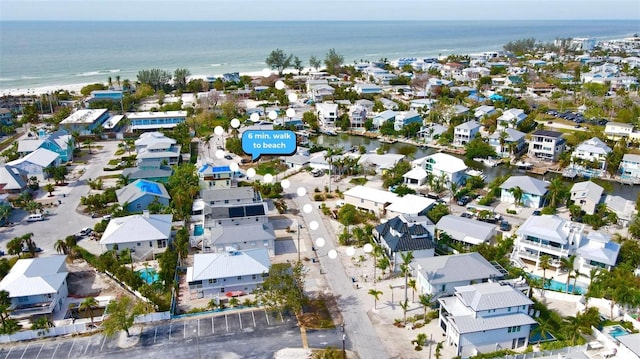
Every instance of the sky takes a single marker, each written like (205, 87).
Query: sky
(281, 10)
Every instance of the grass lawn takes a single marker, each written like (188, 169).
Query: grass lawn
(316, 314)
(273, 167)
(359, 181)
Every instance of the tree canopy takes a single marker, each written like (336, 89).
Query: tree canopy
(278, 60)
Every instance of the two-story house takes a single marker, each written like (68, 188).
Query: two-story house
(630, 167)
(533, 191)
(327, 113)
(357, 115)
(146, 235)
(60, 142)
(384, 116)
(36, 163)
(511, 118)
(234, 272)
(85, 121)
(597, 250)
(482, 317)
(587, 195)
(154, 147)
(484, 110)
(404, 118)
(591, 153)
(12, 180)
(507, 142)
(403, 234)
(443, 166)
(465, 132)
(138, 195)
(546, 145)
(216, 177)
(153, 121)
(616, 130)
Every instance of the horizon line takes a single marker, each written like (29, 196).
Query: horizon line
(307, 20)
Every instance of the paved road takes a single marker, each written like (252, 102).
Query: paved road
(63, 220)
(253, 334)
(358, 328)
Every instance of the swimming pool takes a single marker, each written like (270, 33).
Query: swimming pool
(615, 331)
(198, 230)
(559, 286)
(149, 275)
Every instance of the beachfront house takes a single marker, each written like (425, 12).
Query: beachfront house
(465, 132)
(369, 199)
(442, 166)
(138, 195)
(533, 191)
(597, 251)
(511, 118)
(145, 235)
(402, 234)
(591, 153)
(36, 286)
(153, 121)
(85, 121)
(616, 130)
(327, 113)
(466, 231)
(507, 142)
(60, 142)
(546, 145)
(404, 118)
(12, 181)
(439, 275)
(37, 163)
(586, 195)
(483, 317)
(630, 167)
(227, 273)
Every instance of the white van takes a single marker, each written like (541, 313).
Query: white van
(35, 218)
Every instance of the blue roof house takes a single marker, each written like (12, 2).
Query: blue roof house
(404, 118)
(384, 116)
(137, 195)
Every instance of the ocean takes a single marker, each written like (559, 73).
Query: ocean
(43, 54)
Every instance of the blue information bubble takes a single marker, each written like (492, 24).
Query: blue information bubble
(269, 142)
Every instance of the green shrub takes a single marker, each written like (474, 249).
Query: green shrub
(318, 197)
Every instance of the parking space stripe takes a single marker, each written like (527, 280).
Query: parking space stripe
(103, 341)
(71, 349)
(39, 351)
(184, 330)
(85, 348)
(266, 315)
(155, 334)
(226, 320)
(9, 352)
(213, 327)
(254, 318)
(240, 320)
(54, 352)
(169, 331)
(25, 350)
(198, 327)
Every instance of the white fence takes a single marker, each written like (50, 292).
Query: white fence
(51, 332)
(152, 317)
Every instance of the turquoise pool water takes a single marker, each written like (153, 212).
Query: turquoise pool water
(560, 287)
(616, 331)
(149, 275)
(198, 230)
(537, 337)
(148, 187)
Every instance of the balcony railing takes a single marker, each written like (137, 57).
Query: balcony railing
(33, 309)
(538, 245)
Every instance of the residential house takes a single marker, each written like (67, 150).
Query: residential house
(367, 104)
(215, 274)
(216, 177)
(507, 142)
(630, 167)
(624, 208)
(465, 132)
(403, 234)
(155, 146)
(36, 286)
(546, 145)
(533, 191)
(404, 118)
(357, 115)
(439, 275)
(452, 70)
(482, 317)
(297, 161)
(587, 195)
(233, 206)
(591, 154)
(540, 89)
(484, 110)
(416, 177)
(431, 131)
(85, 121)
(319, 161)
(153, 121)
(466, 231)
(379, 163)
(6, 116)
(319, 90)
(474, 74)
(12, 181)
(327, 113)
(313, 82)
(546, 235)
(388, 104)
(369, 199)
(444, 167)
(138, 195)
(60, 142)
(382, 117)
(410, 205)
(597, 250)
(616, 130)
(367, 89)
(113, 124)
(422, 104)
(241, 237)
(146, 235)
(36, 163)
(511, 118)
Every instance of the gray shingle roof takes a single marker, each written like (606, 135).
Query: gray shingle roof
(408, 237)
(465, 229)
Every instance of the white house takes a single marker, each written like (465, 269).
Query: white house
(241, 237)
(227, 272)
(465, 132)
(533, 191)
(36, 286)
(511, 118)
(327, 113)
(484, 110)
(382, 117)
(404, 118)
(592, 150)
(379, 163)
(366, 89)
(439, 275)
(147, 121)
(370, 199)
(155, 146)
(35, 164)
(482, 317)
(404, 234)
(443, 166)
(546, 145)
(597, 251)
(416, 177)
(410, 204)
(467, 231)
(144, 234)
(587, 195)
(616, 130)
(11, 180)
(357, 115)
(507, 141)
(630, 167)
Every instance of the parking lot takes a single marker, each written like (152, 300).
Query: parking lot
(173, 333)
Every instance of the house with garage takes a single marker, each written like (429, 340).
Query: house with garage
(145, 235)
(369, 199)
(60, 142)
(403, 234)
(445, 167)
(439, 275)
(482, 317)
(466, 231)
(507, 141)
(36, 286)
(37, 163)
(138, 195)
(533, 191)
(586, 195)
(465, 132)
(227, 273)
(511, 118)
(546, 145)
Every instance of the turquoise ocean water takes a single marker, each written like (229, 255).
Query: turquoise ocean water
(36, 54)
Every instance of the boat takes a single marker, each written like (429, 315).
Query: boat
(476, 173)
(329, 133)
(523, 165)
(387, 140)
(490, 162)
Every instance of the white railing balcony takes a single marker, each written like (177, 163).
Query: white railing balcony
(559, 251)
(33, 309)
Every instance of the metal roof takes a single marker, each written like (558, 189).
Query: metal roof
(229, 264)
(455, 268)
(137, 228)
(36, 276)
(491, 295)
(468, 324)
(466, 229)
(527, 184)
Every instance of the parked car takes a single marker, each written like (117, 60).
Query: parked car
(505, 226)
(228, 157)
(35, 218)
(106, 217)
(463, 200)
(26, 250)
(466, 215)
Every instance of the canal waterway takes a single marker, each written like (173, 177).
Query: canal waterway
(371, 144)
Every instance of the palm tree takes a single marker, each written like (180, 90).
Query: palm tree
(567, 264)
(61, 247)
(376, 296)
(405, 306)
(453, 188)
(407, 257)
(5, 211)
(14, 246)
(413, 286)
(543, 328)
(88, 305)
(576, 274)
(544, 264)
(517, 194)
(556, 191)
(123, 180)
(425, 301)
